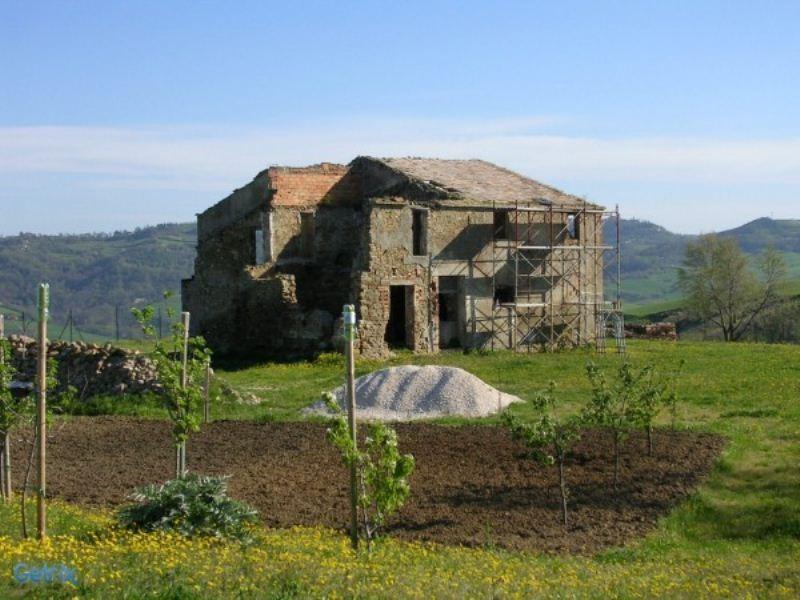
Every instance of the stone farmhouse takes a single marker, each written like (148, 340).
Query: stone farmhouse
(433, 253)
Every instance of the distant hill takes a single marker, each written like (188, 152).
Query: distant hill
(651, 254)
(92, 274)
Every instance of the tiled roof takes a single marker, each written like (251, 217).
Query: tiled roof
(476, 180)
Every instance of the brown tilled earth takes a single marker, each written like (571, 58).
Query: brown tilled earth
(472, 485)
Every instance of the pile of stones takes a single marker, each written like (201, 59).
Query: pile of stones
(652, 331)
(92, 369)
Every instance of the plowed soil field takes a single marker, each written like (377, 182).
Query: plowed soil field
(473, 485)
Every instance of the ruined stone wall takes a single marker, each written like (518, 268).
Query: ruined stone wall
(287, 305)
(389, 261)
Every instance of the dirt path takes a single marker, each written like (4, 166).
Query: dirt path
(473, 485)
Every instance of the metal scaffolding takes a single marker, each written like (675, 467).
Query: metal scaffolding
(562, 269)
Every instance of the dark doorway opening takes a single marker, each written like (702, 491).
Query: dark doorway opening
(396, 334)
(449, 302)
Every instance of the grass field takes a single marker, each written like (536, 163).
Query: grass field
(738, 536)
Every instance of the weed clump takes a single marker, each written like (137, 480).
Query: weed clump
(195, 505)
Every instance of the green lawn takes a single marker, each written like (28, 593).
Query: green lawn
(738, 536)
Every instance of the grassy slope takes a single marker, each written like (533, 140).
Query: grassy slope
(739, 534)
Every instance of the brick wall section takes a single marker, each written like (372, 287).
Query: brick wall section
(309, 186)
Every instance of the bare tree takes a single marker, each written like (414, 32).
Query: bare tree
(721, 288)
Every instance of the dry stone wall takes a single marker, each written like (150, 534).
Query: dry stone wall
(92, 369)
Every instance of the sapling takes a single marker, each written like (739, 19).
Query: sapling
(671, 397)
(647, 402)
(180, 363)
(548, 437)
(613, 406)
(12, 411)
(381, 470)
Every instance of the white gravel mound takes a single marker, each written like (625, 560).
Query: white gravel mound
(408, 392)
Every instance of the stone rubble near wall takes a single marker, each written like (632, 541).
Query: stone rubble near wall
(652, 331)
(91, 368)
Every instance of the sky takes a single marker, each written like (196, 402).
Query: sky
(115, 115)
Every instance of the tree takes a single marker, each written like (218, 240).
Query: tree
(548, 437)
(722, 289)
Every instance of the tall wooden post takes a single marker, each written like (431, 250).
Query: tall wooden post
(41, 509)
(207, 394)
(349, 323)
(5, 468)
(181, 453)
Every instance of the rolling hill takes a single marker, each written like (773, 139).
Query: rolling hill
(96, 276)
(651, 256)
(92, 275)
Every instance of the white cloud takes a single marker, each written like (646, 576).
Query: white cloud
(55, 176)
(202, 158)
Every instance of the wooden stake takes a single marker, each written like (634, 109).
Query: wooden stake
(5, 467)
(207, 393)
(349, 322)
(41, 508)
(181, 453)
(6, 481)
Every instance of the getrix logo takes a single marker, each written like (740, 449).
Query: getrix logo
(25, 573)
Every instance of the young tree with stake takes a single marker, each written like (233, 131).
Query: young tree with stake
(13, 410)
(548, 437)
(382, 473)
(181, 365)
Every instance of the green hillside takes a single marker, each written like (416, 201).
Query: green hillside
(93, 274)
(651, 256)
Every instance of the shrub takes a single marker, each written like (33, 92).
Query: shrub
(195, 505)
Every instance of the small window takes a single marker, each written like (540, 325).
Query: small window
(307, 230)
(504, 294)
(573, 227)
(259, 254)
(419, 230)
(501, 225)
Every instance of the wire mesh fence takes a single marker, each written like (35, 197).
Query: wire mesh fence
(105, 323)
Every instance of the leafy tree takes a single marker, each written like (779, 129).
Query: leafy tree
(182, 398)
(722, 289)
(381, 470)
(548, 437)
(778, 324)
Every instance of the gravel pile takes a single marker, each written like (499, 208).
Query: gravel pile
(408, 392)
